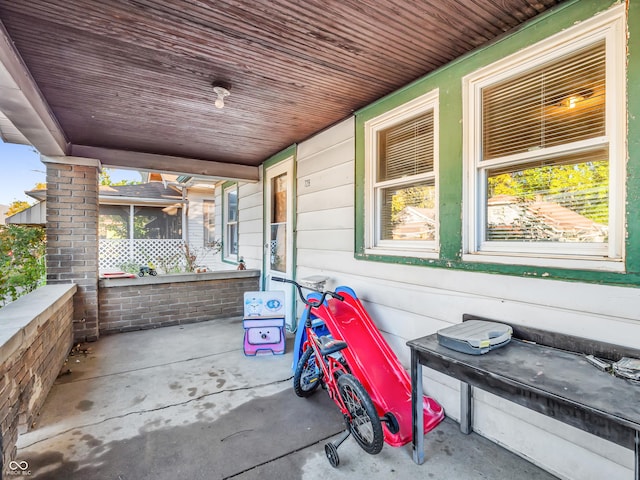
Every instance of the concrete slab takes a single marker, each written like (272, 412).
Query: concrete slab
(184, 402)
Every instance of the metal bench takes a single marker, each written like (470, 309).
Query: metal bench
(544, 371)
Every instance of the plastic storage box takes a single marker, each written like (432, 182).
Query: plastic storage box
(475, 336)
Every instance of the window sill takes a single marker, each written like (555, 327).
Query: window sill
(403, 252)
(569, 263)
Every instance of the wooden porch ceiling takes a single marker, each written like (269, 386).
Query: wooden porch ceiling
(130, 81)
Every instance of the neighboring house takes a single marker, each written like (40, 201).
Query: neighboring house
(511, 220)
(34, 215)
(3, 213)
(532, 103)
(147, 222)
(414, 223)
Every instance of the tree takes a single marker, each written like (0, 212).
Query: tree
(22, 265)
(105, 179)
(17, 206)
(581, 187)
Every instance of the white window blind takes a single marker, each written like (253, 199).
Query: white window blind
(406, 149)
(555, 104)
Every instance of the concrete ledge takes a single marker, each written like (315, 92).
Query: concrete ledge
(177, 278)
(36, 335)
(20, 320)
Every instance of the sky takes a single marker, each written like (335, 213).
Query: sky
(21, 169)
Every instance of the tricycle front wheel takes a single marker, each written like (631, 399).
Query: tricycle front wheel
(308, 376)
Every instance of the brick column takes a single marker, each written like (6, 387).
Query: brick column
(72, 236)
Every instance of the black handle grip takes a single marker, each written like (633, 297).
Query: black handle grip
(278, 279)
(338, 296)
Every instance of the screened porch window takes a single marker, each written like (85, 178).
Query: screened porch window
(545, 154)
(157, 223)
(118, 222)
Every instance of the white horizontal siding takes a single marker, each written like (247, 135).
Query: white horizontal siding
(250, 228)
(321, 144)
(340, 196)
(336, 219)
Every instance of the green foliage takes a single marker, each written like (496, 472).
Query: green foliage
(105, 179)
(129, 267)
(22, 261)
(581, 187)
(187, 259)
(17, 206)
(419, 196)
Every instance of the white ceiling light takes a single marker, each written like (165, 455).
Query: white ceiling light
(222, 94)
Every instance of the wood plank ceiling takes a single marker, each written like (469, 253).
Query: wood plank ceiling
(137, 75)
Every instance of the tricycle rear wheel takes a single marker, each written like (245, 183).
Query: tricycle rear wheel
(364, 422)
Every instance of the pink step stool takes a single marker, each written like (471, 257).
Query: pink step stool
(264, 323)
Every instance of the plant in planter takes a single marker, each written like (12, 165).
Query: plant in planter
(192, 255)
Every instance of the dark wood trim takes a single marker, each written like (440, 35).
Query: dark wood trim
(165, 163)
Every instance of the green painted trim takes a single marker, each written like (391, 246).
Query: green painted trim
(585, 276)
(448, 80)
(632, 253)
(280, 156)
(226, 186)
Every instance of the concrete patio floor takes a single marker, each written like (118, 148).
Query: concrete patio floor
(185, 403)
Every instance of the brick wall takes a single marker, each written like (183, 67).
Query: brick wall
(72, 239)
(35, 340)
(150, 302)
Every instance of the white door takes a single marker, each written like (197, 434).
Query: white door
(279, 232)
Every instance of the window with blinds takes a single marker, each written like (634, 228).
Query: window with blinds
(406, 149)
(405, 181)
(544, 155)
(555, 104)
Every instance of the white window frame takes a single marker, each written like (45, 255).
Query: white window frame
(233, 257)
(610, 27)
(373, 243)
(209, 220)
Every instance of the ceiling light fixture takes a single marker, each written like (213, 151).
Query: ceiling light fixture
(222, 94)
(572, 99)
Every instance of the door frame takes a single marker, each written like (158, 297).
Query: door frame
(282, 162)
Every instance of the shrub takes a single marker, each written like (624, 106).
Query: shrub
(22, 261)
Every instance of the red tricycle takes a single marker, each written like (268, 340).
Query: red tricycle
(359, 370)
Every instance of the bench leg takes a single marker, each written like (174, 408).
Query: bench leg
(417, 413)
(637, 458)
(466, 419)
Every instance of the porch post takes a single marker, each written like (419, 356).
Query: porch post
(72, 236)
